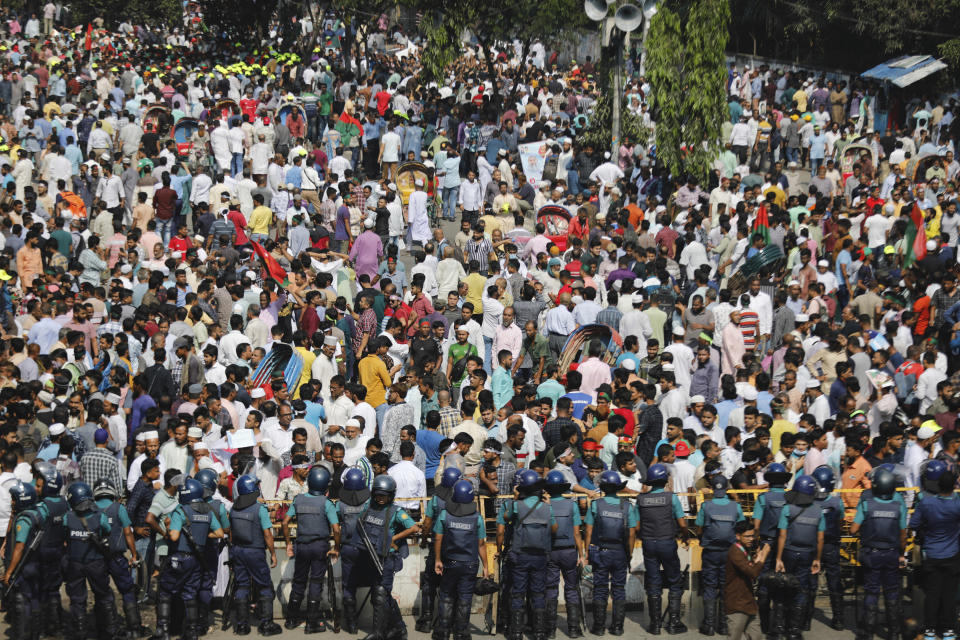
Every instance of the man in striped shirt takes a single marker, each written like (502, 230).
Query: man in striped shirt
(749, 323)
(479, 248)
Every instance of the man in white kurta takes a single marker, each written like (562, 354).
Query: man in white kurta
(417, 214)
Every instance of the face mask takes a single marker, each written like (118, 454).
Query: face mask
(799, 454)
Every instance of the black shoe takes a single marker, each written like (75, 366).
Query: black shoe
(550, 619)
(378, 600)
(349, 617)
(656, 613)
(618, 616)
(836, 611)
(461, 621)
(314, 621)
(599, 617)
(242, 626)
(516, 625)
(267, 626)
(707, 628)
(163, 621)
(539, 624)
(294, 618)
(189, 621)
(675, 624)
(573, 620)
(444, 623)
(427, 603)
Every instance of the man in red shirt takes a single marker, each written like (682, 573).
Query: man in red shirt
(165, 204)
(181, 242)
(579, 227)
(248, 106)
(239, 223)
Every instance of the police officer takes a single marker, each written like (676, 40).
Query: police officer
(354, 496)
(28, 523)
(460, 538)
(533, 524)
(717, 519)
(833, 515)
(936, 521)
(251, 532)
(610, 537)
(87, 530)
(121, 540)
(212, 550)
(660, 514)
(429, 579)
(317, 521)
(766, 519)
(799, 547)
(52, 560)
(386, 527)
(930, 472)
(566, 555)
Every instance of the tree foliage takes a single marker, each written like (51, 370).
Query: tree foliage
(599, 132)
(113, 12)
(665, 68)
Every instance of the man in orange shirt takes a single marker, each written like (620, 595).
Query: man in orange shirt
(854, 474)
(29, 263)
(636, 213)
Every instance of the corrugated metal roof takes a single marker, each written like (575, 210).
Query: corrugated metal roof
(905, 70)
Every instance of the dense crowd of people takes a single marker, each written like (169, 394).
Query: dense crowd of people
(234, 296)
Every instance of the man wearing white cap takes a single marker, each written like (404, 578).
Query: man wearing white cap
(151, 441)
(818, 405)
(202, 458)
(116, 421)
(417, 215)
(324, 367)
(683, 358)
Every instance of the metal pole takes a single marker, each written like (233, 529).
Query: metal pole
(617, 91)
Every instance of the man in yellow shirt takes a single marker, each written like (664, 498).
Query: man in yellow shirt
(475, 284)
(375, 377)
(303, 342)
(260, 219)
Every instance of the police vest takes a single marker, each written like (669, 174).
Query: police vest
(719, 524)
(610, 523)
(460, 538)
(35, 520)
(245, 526)
(199, 523)
(439, 504)
(656, 516)
(349, 515)
(82, 537)
(311, 515)
(802, 526)
(881, 524)
(563, 514)
(55, 535)
(531, 532)
(377, 523)
(833, 512)
(773, 502)
(116, 541)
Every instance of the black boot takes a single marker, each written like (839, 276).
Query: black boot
(163, 620)
(242, 626)
(52, 615)
(894, 620)
(777, 621)
(444, 623)
(131, 615)
(461, 621)
(81, 628)
(836, 611)
(349, 616)
(617, 617)
(573, 620)
(189, 620)
(314, 622)
(721, 619)
(294, 618)
(655, 602)
(707, 628)
(105, 615)
(795, 622)
(763, 608)
(396, 628)
(675, 624)
(867, 622)
(516, 624)
(378, 600)
(807, 619)
(20, 622)
(267, 626)
(427, 603)
(539, 624)
(599, 617)
(550, 619)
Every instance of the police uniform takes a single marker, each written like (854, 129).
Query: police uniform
(803, 526)
(610, 520)
(315, 516)
(27, 524)
(659, 511)
(717, 520)
(563, 560)
(212, 549)
(833, 515)
(380, 525)
(250, 568)
(766, 518)
(505, 569)
(532, 519)
(181, 575)
(350, 507)
(462, 529)
(117, 564)
(936, 521)
(52, 561)
(429, 580)
(86, 562)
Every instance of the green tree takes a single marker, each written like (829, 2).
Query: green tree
(113, 12)
(688, 74)
(599, 132)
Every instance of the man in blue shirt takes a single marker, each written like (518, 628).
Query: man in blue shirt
(579, 399)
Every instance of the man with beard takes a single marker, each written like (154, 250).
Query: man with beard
(151, 451)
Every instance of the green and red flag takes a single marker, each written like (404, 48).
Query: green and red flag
(761, 225)
(270, 265)
(915, 239)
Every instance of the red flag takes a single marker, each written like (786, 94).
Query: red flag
(270, 264)
(915, 239)
(88, 42)
(346, 117)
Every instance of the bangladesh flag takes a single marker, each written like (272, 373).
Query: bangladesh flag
(761, 225)
(915, 240)
(270, 265)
